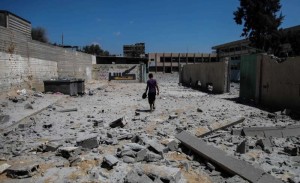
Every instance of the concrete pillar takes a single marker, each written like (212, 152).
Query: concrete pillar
(178, 61)
(171, 63)
(202, 57)
(164, 59)
(155, 62)
(186, 58)
(194, 58)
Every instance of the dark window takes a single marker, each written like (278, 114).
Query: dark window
(2, 20)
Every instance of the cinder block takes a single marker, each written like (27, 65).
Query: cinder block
(88, 142)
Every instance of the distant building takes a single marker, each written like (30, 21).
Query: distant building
(15, 23)
(135, 50)
(170, 62)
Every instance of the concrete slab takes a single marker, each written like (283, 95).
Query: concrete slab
(218, 157)
(277, 131)
(4, 119)
(202, 131)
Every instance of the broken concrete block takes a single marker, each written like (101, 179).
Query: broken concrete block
(140, 156)
(28, 106)
(68, 110)
(89, 141)
(52, 146)
(172, 145)
(236, 179)
(166, 174)
(173, 116)
(134, 146)
(134, 177)
(121, 122)
(4, 167)
(4, 119)
(110, 160)
(75, 160)
(68, 152)
(125, 136)
(24, 170)
(265, 144)
(128, 159)
(243, 147)
(152, 157)
(139, 139)
(293, 151)
(128, 153)
(155, 147)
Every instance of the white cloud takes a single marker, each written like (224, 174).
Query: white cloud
(117, 33)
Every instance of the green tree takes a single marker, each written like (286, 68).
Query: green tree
(261, 19)
(39, 34)
(294, 40)
(95, 49)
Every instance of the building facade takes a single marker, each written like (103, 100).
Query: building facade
(170, 62)
(135, 50)
(15, 23)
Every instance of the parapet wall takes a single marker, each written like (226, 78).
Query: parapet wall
(25, 62)
(212, 73)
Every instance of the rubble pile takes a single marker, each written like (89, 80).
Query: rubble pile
(109, 135)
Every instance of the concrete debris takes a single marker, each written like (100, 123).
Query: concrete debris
(68, 152)
(134, 177)
(218, 157)
(4, 119)
(134, 146)
(199, 110)
(293, 151)
(155, 147)
(22, 170)
(278, 131)
(4, 167)
(165, 174)
(121, 122)
(243, 147)
(141, 155)
(75, 160)
(28, 106)
(110, 160)
(173, 116)
(68, 110)
(172, 145)
(88, 141)
(152, 157)
(236, 179)
(51, 147)
(202, 131)
(128, 159)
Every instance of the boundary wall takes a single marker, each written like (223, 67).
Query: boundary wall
(26, 63)
(208, 73)
(275, 84)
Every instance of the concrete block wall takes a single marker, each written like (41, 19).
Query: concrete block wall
(210, 72)
(26, 63)
(280, 82)
(101, 71)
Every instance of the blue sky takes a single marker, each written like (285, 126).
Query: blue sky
(164, 25)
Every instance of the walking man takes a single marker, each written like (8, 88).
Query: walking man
(151, 88)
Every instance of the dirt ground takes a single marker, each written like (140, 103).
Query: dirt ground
(178, 108)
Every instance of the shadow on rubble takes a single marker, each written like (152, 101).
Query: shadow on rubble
(295, 115)
(143, 110)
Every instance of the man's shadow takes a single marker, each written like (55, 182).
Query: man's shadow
(143, 110)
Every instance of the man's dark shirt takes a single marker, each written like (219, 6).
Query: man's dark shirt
(151, 83)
